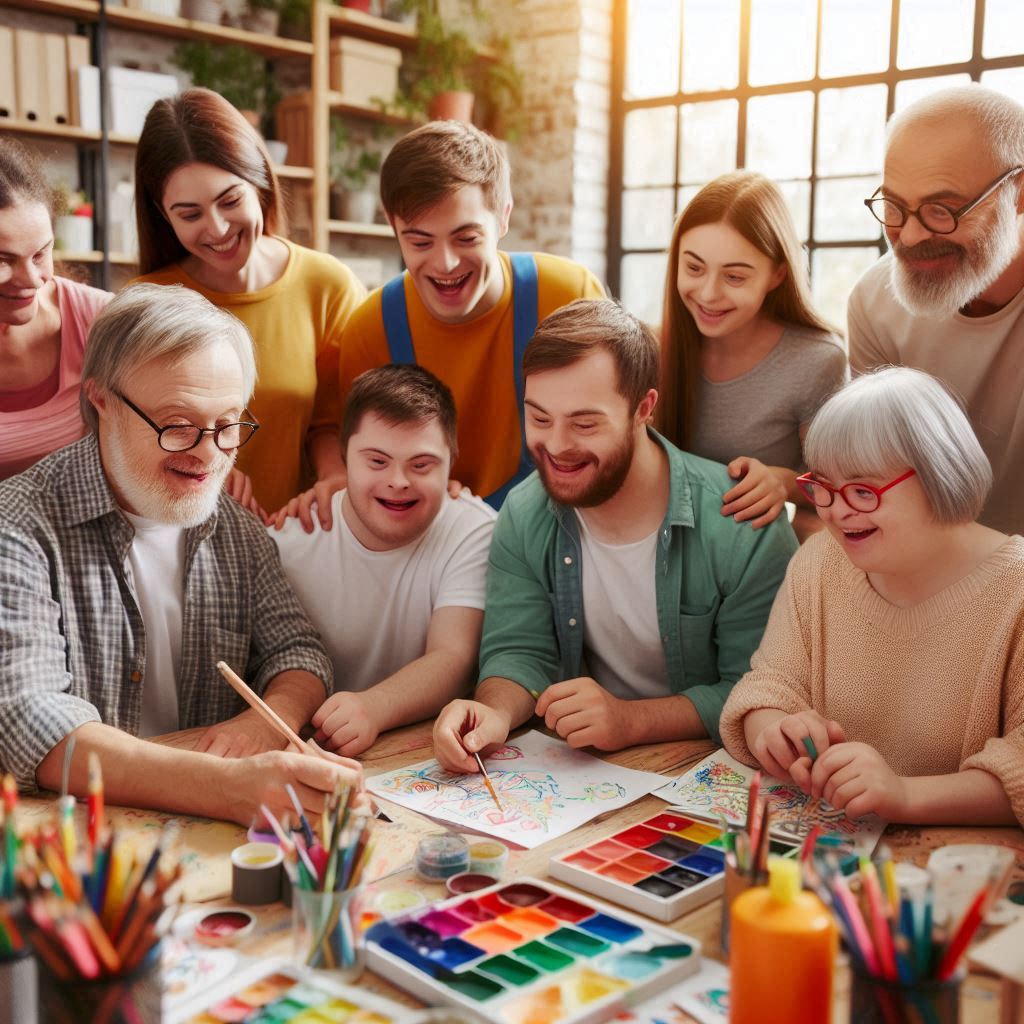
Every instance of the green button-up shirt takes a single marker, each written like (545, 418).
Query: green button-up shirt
(715, 581)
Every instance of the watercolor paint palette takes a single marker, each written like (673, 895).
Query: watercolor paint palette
(528, 952)
(663, 867)
(275, 992)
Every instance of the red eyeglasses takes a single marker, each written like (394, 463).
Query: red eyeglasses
(860, 497)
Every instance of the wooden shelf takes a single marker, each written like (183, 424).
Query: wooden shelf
(295, 173)
(344, 21)
(340, 104)
(93, 256)
(184, 28)
(351, 227)
(87, 10)
(44, 130)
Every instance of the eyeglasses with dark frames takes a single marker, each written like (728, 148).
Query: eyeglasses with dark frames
(935, 217)
(182, 437)
(860, 497)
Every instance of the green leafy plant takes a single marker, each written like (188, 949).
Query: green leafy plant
(237, 73)
(501, 93)
(351, 162)
(296, 18)
(266, 5)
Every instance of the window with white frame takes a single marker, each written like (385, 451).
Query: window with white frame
(797, 89)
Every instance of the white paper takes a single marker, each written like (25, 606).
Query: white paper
(718, 786)
(546, 789)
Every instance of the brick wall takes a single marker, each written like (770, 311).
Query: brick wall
(560, 164)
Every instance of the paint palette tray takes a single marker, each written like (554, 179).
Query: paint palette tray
(528, 952)
(663, 867)
(276, 992)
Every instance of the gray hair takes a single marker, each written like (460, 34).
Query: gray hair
(149, 321)
(1000, 118)
(896, 417)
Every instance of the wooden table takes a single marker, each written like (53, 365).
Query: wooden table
(413, 743)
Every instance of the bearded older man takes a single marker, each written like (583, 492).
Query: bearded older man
(126, 574)
(949, 297)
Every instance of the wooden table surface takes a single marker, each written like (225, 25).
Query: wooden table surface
(413, 743)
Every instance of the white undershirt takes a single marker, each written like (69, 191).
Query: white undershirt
(621, 638)
(156, 568)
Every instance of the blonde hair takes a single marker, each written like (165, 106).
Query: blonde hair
(754, 206)
(435, 160)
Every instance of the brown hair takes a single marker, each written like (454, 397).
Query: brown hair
(399, 395)
(754, 206)
(588, 325)
(437, 159)
(196, 126)
(22, 178)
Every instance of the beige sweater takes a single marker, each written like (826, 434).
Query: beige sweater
(934, 688)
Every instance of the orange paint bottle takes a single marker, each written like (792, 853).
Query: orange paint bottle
(783, 945)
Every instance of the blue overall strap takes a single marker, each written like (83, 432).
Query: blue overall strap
(396, 321)
(524, 324)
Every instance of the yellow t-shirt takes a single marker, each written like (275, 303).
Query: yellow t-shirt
(296, 325)
(474, 359)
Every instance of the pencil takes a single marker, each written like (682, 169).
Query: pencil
(95, 801)
(812, 751)
(264, 710)
(488, 783)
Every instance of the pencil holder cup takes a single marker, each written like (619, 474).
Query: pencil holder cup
(326, 931)
(132, 998)
(735, 883)
(876, 1001)
(18, 988)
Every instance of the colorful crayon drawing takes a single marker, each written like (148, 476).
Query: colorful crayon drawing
(717, 788)
(701, 999)
(545, 788)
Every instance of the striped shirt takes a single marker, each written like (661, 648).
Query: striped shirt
(72, 640)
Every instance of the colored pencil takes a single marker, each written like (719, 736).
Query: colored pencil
(487, 783)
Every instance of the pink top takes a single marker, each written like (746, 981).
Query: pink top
(26, 435)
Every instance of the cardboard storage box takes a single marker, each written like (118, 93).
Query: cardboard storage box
(363, 71)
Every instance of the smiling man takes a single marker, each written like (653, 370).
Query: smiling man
(396, 585)
(616, 590)
(949, 296)
(126, 574)
(462, 309)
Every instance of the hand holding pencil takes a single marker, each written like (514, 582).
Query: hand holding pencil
(463, 729)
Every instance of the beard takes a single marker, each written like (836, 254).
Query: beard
(611, 475)
(979, 263)
(150, 497)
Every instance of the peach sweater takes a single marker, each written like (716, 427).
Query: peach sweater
(935, 688)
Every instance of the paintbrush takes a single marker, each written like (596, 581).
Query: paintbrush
(488, 783)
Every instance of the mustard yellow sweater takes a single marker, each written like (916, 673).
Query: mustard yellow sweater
(935, 688)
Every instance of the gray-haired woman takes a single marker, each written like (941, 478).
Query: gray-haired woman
(896, 643)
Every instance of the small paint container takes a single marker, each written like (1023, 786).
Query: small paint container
(224, 927)
(391, 902)
(468, 881)
(256, 873)
(440, 855)
(488, 858)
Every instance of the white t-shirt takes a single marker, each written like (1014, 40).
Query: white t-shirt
(621, 638)
(156, 569)
(373, 608)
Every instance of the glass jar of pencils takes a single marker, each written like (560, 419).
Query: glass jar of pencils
(875, 1000)
(327, 931)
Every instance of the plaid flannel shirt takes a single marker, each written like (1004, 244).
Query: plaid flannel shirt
(72, 640)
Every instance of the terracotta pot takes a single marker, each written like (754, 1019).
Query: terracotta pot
(451, 106)
(357, 5)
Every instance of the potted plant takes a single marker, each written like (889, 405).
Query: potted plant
(500, 93)
(444, 65)
(203, 10)
(353, 169)
(357, 5)
(262, 16)
(72, 228)
(295, 18)
(236, 72)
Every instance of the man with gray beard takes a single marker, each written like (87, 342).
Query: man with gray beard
(949, 296)
(126, 574)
